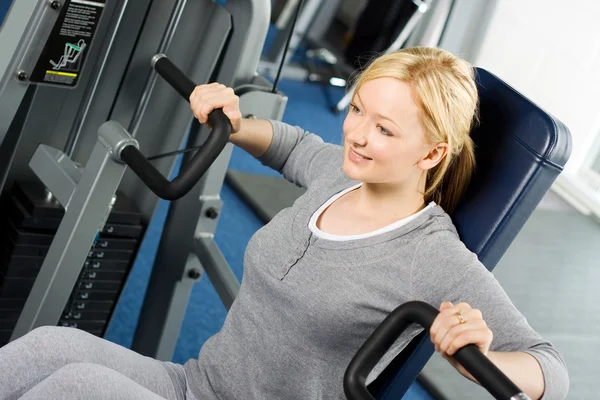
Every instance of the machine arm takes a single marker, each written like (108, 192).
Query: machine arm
(193, 170)
(477, 364)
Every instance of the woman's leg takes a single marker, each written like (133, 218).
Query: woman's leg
(30, 359)
(90, 382)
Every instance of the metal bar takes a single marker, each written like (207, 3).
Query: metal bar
(286, 14)
(217, 269)
(251, 19)
(90, 91)
(87, 209)
(182, 290)
(151, 79)
(167, 290)
(56, 171)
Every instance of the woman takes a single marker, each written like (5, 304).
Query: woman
(371, 232)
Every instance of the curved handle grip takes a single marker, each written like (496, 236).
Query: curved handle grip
(194, 169)
(478, 365)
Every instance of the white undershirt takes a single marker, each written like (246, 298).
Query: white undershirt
(312, 225)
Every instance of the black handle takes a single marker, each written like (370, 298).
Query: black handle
(194, 169)
(478, 365)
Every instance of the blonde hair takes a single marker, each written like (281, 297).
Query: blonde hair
(445, 91)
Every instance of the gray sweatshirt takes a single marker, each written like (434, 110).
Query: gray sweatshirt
(307, 304)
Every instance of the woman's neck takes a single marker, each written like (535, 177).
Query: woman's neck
(387, 202)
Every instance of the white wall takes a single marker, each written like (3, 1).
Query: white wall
(550, 51)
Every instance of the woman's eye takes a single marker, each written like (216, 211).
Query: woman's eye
(384, 131)
(354, 109)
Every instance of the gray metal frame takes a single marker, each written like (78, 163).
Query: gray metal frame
(161, 121)
(88, 199)
(87, 195)
(27, 22)
(53, 112)
(168, 288)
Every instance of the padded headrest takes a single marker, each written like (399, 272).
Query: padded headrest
(520, 150)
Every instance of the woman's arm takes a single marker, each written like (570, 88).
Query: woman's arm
(521, 368)
(254, 136)
(446, 272)
(300, 156)
(460, 325)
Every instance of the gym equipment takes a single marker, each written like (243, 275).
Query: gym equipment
(322, 65)
(478, 365)
(87, 194)
(117, 83)
(422, 6)
(520, 151)
(311, 14)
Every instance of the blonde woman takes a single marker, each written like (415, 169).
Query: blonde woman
(371, 232)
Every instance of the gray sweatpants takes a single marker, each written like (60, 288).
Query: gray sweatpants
(67, 363)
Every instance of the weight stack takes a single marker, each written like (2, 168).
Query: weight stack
(28, 222)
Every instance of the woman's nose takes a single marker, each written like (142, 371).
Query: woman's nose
(358, 136)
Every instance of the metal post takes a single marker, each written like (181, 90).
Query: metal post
(151, 79)
(217, 269)
(87, 208)
(169, 288)
(307, 14)
(91, 88)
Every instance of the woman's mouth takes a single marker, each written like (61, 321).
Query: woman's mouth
(356, 157)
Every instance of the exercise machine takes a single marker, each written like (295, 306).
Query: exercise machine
(479, 366)
(321, 64)
(72, 241)
(89, 194)
(297, 23)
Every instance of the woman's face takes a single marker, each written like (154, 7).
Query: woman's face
(384, 141)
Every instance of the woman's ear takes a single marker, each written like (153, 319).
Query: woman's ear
(435, 155)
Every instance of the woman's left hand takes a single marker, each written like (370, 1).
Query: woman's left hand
(456, 327)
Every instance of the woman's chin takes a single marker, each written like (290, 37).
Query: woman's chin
(352, 172)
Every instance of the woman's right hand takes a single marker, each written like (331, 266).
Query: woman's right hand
(206, 98)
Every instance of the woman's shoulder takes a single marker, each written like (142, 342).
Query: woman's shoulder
(440, 239)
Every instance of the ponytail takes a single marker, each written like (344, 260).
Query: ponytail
(447, 182)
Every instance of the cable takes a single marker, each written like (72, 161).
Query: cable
(239, 90)
(287, 45)
(173, 153)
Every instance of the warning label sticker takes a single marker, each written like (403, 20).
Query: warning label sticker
(64, 54)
